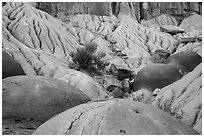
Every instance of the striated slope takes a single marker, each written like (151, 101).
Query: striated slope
(42, 43)
(35, 39)
(184, 98)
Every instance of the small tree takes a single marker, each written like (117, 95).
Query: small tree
(86, 59)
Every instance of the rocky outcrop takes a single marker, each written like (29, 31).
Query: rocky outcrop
(138, 10)
(38, 98)
(193, 22)
(184, 98)
(42, 44)
(36, 40)
(113, 117)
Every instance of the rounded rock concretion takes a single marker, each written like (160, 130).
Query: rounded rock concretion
(155, 76)
(38, 97)
(114, 117)
(10, 67)
(185, 61)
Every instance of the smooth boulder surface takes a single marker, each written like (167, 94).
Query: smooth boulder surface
(114, 117)
(155, 76)
(185, 61)
(38, 97)
(10, 67)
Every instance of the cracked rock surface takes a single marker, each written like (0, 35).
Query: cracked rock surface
(118, 117)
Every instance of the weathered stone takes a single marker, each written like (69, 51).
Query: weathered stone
(117, 93)
(109, 80)
(38, 97)
(126, 85)
(186, 39)
(196, 47)
(114, 117)
(120, 73)
(155, 76)
(171, 29)
(184, 61)
(159, 56)
(111, 88)
(85, 83)
(193, 22)
(85, 36)
(185, 98)
(10, 67)
(164, 19)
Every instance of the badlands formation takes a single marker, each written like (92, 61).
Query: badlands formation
(152, 85)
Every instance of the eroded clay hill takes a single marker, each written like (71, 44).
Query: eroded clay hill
(41, 45)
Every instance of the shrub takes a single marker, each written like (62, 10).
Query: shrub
(88, 60)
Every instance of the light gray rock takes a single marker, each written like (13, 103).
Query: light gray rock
(114, 117)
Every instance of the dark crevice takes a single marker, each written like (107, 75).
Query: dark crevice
(122, 131)
(72, 123)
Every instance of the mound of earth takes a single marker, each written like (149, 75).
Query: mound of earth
(114, 117)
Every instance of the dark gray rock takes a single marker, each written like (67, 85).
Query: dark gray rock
(185, 61)
(10, 67)
(155, 76)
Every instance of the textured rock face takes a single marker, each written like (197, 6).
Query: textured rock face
(38, 98)
(41, 43)
(184, 98)
(113, 117)
(193, 22)
(35, 39)
(139, 10)
(43, 46)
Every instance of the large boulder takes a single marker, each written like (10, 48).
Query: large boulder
(193, 22)
(38, 97)
(155, 76)
(171, 29)
(10, 67)
(114, 117)
(85, 83)
(185, 61)
(163, 19)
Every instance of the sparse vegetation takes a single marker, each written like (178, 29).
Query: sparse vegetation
(88, 60)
